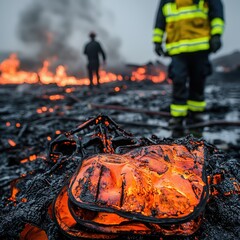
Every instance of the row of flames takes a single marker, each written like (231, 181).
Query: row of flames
(12, 74)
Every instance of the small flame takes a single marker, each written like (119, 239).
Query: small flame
(142, 74)
(14, 191)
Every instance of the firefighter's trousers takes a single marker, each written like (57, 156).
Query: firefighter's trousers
(188, 72)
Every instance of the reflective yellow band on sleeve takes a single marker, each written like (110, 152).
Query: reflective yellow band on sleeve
(192, 45)
(168, 8)
(217, 22)
(196, 106)
(217, 26)
(157, 35)
(178, 110)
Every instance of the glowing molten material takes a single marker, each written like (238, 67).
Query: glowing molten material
(31, 232)
(158, 189)
(153, 183)
(67, 223)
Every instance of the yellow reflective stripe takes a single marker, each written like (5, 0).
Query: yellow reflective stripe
(196, 106)
(157, 39)
(184, 49)
(158, 31)
(157, 35)
(217, 22)
(201, 4)
(188, 45)
(173, 14)
(217, 30)
(189, 15)
(217, 25)
(189, 41)
(171, 9)
(178, 110)
(168, 8)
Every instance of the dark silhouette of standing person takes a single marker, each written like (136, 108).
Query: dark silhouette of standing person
(190, 30)
(92, 50)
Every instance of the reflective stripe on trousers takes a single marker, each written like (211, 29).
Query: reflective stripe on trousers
(178, 110)
(196, 106)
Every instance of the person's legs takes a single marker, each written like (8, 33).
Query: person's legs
(97, 74)
(179, 75)
(90, 75)
(199, 69)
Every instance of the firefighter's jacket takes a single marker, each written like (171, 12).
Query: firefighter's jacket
(187, 25)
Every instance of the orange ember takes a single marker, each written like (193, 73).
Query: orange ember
(56, 97)
(8, 124)
(117, 89)
(57, 132)
(29, 159)
(69, 90)
(11, 143)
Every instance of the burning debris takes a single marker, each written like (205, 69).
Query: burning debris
(99, 181)
(12, 74)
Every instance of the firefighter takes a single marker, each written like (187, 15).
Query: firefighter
(92, 50)
(190, 31)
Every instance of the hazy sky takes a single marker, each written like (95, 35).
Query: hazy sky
(129, 21)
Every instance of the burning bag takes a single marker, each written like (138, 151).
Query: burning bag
(157, 189)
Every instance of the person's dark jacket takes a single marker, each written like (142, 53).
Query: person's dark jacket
(92, 50)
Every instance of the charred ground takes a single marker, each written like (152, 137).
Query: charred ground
(33, 115)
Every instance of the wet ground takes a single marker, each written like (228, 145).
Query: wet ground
(54, 109)
(222, 105)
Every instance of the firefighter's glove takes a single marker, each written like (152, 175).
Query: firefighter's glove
(158, 49)
(215, 43)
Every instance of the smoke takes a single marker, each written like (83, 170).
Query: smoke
(55, 30)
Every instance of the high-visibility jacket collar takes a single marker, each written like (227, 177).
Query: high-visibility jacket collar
(174, 12)
(184, 3)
